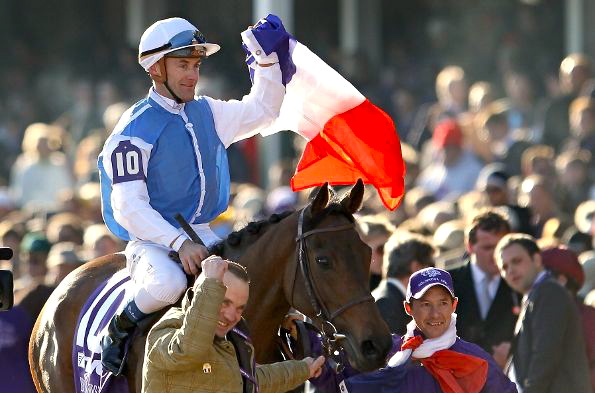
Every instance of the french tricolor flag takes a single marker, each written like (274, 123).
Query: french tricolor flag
(349, 138)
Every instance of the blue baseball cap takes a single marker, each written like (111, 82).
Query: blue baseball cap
(424, 279)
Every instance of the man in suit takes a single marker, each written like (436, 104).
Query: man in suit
(487, 305)
(548, 351)
(402, 258)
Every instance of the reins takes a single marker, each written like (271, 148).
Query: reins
(330, 338)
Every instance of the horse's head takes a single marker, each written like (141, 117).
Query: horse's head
(331, 279)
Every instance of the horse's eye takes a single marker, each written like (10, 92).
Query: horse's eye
(323, 261)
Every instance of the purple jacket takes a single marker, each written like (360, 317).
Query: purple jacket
(410, 377)
(15, 328)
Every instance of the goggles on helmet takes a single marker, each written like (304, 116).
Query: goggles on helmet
(186, 41)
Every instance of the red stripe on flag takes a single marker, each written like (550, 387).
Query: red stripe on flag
(360, 143)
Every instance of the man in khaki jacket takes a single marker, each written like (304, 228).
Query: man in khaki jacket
(204, 347)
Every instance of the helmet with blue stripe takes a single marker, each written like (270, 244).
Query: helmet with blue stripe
(172, 37)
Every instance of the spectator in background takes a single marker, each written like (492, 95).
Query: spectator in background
(499, 141)
(41, 172)
(575, 71)
(375, 231)
(88, 149)
(112, 115)
(584, 217)
(582, 124)
(539, 160)
(62, 259)
(6, 203)
(455, 170)
(572, 167)
(492, 182)
(451, 91)
(35, 248)
(403, 107)
(436, 214)
(449, 240)
(548, 354)
(85, 160)
(538, 195)
(494, 130)
(65, 227)
(281, 199)
(249, 203)
(411, 159)
(89, 198)
(487, 307)
(416, 199)
(577, 241)
(481, 95)
(565, 267)
(404, 255)
(99, 241)
(521, 100)
(32, 290)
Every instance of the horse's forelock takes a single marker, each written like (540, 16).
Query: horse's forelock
(333, 208)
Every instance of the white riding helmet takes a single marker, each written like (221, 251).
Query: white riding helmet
(172, 35)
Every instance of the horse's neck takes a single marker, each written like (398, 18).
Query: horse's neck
(266, 255)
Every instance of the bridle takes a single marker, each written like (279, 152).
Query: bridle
(330, 336)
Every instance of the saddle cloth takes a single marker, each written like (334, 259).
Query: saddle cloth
(89, 375)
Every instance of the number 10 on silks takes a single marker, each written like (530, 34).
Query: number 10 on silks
(127, 163)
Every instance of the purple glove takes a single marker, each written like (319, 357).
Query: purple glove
(268, 42)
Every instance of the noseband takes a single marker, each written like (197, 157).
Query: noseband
(330, 337)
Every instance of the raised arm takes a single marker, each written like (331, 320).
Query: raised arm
(267, 47)
(181, 339)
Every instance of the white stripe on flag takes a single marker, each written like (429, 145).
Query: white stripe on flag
(315, 94)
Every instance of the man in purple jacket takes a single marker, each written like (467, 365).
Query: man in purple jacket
(429, 357)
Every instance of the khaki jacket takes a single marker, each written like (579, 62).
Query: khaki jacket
(184, 355)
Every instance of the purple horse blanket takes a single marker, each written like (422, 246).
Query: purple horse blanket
(102, 305)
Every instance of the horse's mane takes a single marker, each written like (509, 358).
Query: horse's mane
(235, 238)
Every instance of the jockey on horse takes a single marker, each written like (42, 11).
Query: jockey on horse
(166, 156)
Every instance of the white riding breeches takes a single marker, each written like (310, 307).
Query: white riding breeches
(158, 280)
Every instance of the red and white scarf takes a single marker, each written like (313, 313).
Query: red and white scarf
(455, 372)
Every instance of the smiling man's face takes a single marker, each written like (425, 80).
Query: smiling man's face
(234, 303)
(433, 311)
(182, 77)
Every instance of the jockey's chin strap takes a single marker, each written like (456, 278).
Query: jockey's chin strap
(330, 338)
(163, 79)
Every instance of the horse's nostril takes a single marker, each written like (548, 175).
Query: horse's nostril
(369, 349)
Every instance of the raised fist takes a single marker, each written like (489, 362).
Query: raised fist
(214, 267)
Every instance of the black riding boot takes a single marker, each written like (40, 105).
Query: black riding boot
(113, 344)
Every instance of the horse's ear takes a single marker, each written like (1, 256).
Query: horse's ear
(352, 202)
(320, 199)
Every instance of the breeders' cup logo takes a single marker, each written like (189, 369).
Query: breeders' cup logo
(430, 273)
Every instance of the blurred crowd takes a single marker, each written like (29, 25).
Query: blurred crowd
(516, 147)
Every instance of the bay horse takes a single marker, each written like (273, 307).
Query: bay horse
(312, 260)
